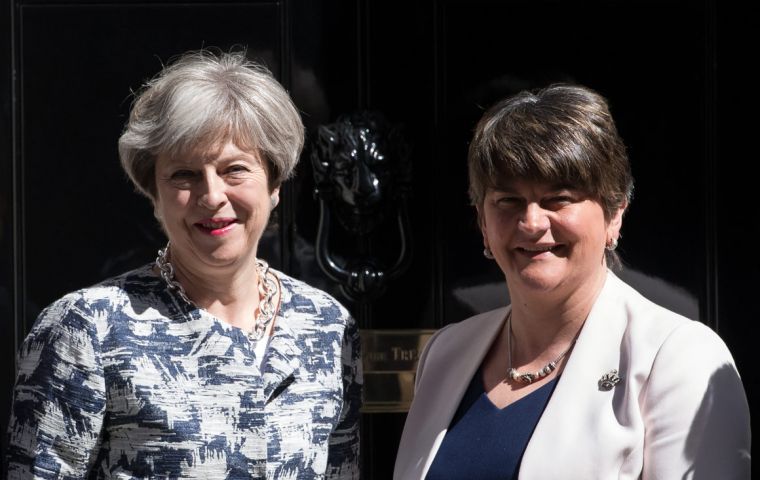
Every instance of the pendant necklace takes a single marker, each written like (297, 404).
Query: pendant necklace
(528, 378)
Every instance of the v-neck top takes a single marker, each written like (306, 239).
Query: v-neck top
(484, 441)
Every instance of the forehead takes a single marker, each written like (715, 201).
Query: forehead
(210, 153)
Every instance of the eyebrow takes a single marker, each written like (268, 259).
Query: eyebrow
(191, 160)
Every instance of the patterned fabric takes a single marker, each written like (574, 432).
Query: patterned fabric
(124, 380)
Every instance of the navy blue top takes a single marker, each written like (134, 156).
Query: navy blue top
(486, 442)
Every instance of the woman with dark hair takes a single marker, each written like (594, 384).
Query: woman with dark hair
(206, 363)
(580, 377)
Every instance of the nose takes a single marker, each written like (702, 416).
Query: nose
(534, 220)
(212, 194)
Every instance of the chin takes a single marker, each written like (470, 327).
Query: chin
(539, 284)
(220, 261)
(222, 257)
(538, 280)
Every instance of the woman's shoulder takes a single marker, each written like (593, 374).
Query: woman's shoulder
(471, 331)
(638, 308)
(95, 302)
(656, 326)
(141, 280)
(300, 297)
(475, 322)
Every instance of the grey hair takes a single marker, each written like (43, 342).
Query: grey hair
(203, 99)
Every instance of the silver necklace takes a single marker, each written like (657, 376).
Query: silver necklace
(268, 289)
(528, 378)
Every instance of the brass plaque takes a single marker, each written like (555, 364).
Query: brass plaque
(389, 358)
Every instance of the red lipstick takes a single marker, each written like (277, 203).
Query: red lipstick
(216, 226)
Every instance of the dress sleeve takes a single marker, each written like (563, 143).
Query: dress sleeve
(59, 397)
(695, 411)
(343, 457)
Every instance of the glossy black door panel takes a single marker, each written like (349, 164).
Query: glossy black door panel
(674, 72)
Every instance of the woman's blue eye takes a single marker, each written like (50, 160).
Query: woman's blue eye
(182, 177)
(237, 169)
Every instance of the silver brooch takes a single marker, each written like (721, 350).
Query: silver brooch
(609, 380)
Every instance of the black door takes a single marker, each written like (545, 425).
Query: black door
(69, 217)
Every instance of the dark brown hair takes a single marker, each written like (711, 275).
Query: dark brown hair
(562, 134)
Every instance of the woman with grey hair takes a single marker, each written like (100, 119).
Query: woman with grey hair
(206, 363)
(580, 377)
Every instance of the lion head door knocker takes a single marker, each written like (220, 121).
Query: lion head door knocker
(362, 175)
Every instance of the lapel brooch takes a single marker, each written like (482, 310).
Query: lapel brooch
(609, 380)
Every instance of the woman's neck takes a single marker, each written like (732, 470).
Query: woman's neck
(541, 320)
(229, 293)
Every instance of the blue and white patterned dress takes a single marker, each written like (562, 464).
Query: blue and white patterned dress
(125, 380)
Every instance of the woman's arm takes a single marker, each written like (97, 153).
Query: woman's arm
(343, 457)
(695, 410)
(59, 399)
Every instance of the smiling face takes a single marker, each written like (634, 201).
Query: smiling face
(213, 206)
(546, 238)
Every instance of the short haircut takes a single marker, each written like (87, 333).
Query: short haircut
(203, 99)
(561, 135)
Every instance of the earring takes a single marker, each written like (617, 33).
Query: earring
(488, 253)
(612, 245)
(274, 200)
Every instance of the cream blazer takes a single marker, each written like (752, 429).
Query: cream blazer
(678, 412)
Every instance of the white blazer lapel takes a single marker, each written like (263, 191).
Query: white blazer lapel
(560, 446)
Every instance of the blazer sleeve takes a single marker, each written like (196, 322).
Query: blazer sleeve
(59, 397)
(695, 411)
(343, 456)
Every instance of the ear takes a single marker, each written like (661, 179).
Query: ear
(156, 212)
(274, 197)
(616, 223)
